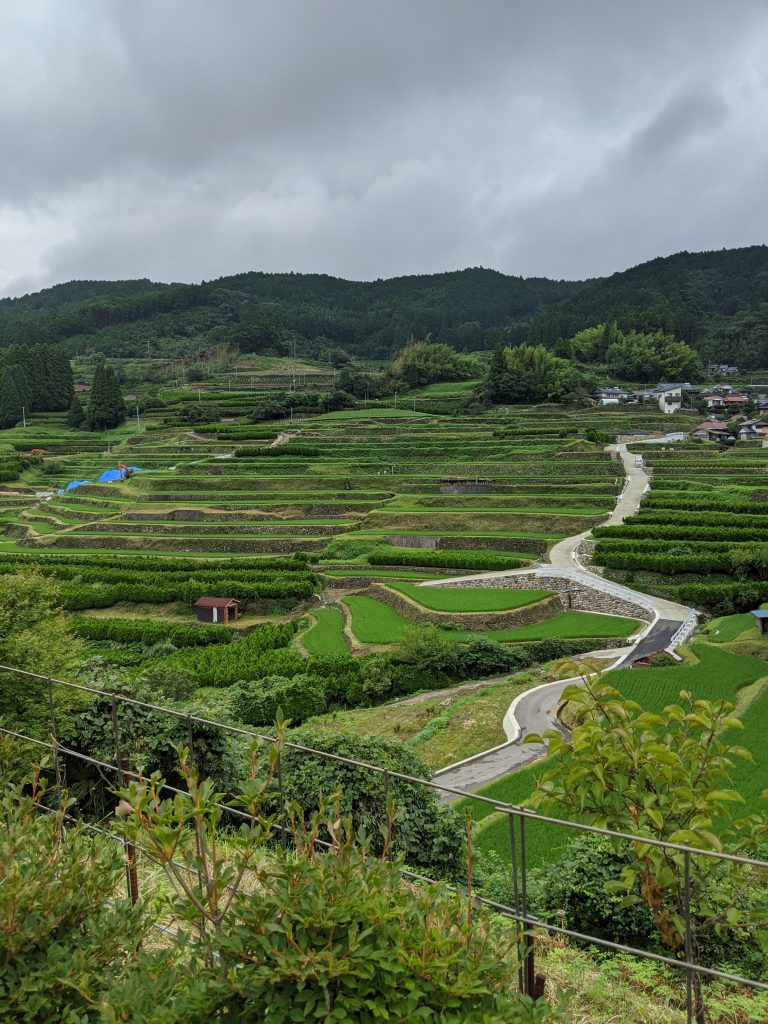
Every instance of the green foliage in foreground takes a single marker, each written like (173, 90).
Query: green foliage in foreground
(662, 775)
(258, 933)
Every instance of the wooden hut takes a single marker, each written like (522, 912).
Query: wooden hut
(217, 609)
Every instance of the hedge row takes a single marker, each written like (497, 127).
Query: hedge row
(659, 546)
(79, 596)
(636, 529)
(670, 565)
(264, 652)
(149, 563)
(150, 631)
(724, 598)
(307, 451)
(713, 519)
(681, 503)
(446, 559)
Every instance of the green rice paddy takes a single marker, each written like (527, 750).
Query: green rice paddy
(470, 599)
(326, 636)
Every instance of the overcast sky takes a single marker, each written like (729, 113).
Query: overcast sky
(186, 139)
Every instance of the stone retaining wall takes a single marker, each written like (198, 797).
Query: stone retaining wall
(123, 542)
(471, 621)
(420, 543)
(573, 595)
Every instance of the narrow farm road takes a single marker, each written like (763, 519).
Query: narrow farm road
(534, 711)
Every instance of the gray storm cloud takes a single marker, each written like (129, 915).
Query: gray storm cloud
(186, 140)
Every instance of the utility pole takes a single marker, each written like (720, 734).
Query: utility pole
(138, 421)
(395, 399)
(24, 417)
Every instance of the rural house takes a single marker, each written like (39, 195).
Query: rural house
(711, 430)
(753, 430)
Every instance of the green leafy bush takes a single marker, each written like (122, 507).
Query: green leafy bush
(66, 931)
(259, 703)
(430, 838)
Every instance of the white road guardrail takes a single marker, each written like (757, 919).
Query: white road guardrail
(686, 629)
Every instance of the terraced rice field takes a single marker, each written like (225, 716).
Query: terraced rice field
(701, 536)
(470, 599)
(326, 636)
(374, 622)
(355, 483)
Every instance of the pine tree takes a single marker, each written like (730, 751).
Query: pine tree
(61, 380)
(496, 382)
(76, 414)
(10, 400)
(106, 407)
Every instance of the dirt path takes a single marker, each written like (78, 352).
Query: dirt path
(283, 438)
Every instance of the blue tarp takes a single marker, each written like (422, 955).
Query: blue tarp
(109, 476)
(73, 484)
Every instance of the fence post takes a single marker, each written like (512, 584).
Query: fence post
(198, 846)
(279, 774)
(388, 851)
(529, 967)
(688, 936)
(516, 896)
(123, 778)
(54, 742)
(130, 849)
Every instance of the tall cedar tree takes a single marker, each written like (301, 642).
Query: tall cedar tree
(76, 414)
(106, 408)
(10, 400)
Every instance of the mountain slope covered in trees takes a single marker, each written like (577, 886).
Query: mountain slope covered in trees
(716, 301)
(259, 312)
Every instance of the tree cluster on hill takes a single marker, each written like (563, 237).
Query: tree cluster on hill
(529, 373)
(634, 355)
(106, 407)
(421, 362)
(37, 379)
(716, 302)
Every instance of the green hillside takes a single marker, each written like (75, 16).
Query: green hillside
(715, 301)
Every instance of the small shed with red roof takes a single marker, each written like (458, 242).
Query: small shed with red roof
(217, 609)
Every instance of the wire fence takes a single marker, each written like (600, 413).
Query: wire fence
(519, 822)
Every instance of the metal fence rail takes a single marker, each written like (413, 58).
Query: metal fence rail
(517, 817)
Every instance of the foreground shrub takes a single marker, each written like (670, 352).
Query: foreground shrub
(317, 934)
(63, 942)
(431, 838)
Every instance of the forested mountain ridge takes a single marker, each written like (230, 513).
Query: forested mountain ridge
(715, 301)
(258, 311)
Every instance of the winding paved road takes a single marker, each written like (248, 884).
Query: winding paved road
(534, 711)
